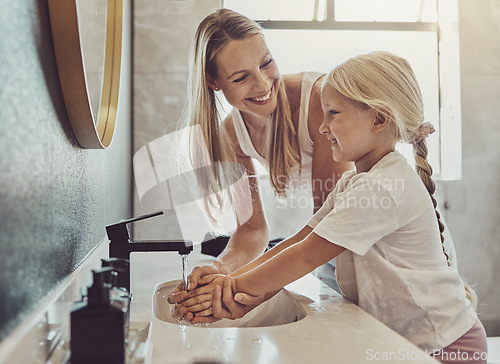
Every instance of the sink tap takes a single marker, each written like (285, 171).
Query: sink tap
(120, 244)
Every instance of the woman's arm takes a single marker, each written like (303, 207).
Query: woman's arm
(287, 266)
(248, 241)
(252, 236)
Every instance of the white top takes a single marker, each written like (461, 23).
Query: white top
(394, 267)
(304, 139)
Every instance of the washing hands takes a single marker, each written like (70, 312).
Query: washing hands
(211, 297)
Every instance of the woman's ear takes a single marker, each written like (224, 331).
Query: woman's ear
(212, 83)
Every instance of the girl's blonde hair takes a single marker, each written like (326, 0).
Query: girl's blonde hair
(386, 83)
(213, 33)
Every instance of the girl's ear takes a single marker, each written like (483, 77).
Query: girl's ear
(381, 121)
(212, 83)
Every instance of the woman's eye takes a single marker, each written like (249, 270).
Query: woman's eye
(332, 113)
(268, 63)
(241, 79)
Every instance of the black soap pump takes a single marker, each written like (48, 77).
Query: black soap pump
(97, 325)
(121, 266)
(118, 292)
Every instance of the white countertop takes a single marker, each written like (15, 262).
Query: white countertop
(334, 330)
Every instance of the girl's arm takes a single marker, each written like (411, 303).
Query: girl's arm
(287, 266)
(195, 299)
(262, 278)
(298, 237)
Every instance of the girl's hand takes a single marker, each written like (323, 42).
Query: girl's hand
(193, 279)
(226, 306)
(179, 293)
(200, 299)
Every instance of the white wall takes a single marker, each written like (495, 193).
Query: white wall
(472, 207)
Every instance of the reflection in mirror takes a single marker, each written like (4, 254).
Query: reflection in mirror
(87, 37)
(92, 29)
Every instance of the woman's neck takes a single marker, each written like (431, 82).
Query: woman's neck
(255, 121)
(257, 128)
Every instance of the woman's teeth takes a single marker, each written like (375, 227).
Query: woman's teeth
(263, 98)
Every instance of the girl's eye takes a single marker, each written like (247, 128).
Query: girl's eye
(268, 63)
(332, 113)
(241, 79)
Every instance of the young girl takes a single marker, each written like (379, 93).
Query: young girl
(380, 221)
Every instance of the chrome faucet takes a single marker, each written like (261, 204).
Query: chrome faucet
(120, 244)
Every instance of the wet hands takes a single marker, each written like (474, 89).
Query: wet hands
(213, 300)
(180, 293)
(225, 305)
(196, 305)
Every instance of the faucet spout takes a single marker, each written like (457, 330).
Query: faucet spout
(120, 244)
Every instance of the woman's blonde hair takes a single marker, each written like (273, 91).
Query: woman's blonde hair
(213, 33)
(386, 83)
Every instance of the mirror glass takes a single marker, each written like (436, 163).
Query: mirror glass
(92, 28)
(87, 37)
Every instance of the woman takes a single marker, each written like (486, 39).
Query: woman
(275, 119)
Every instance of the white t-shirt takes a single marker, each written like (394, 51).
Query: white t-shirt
(394, 267)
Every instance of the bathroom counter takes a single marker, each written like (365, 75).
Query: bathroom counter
(333, 330)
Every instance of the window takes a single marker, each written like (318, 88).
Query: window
(316, 35)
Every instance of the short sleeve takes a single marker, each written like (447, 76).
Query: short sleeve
(322, 212)
(360, 216)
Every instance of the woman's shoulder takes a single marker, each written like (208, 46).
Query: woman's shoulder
(293, 78)
(293, 85)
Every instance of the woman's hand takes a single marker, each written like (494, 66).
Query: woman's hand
(179, 293)
(200, 299)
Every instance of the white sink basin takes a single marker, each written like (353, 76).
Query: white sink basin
(279, 310)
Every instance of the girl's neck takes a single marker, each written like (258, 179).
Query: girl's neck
(368, 161)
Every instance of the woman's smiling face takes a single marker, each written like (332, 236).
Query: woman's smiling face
(248, 75)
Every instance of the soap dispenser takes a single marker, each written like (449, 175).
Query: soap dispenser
(118, 292)
(97, 325)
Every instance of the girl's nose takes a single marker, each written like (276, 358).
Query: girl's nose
(323, 129)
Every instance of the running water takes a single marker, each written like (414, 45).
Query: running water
(184, 270)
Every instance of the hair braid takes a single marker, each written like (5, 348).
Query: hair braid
(424, 170)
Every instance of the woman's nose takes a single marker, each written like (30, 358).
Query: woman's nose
(262, 82)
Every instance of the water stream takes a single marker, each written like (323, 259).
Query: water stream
(184, 270)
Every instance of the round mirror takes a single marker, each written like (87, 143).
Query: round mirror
(87, 37)
(92, 30)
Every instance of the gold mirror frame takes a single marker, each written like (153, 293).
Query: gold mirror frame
(90, 133)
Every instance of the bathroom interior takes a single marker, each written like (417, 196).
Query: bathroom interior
(60, 189)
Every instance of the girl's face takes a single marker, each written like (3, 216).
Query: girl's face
(349, 127)
(248, 76)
